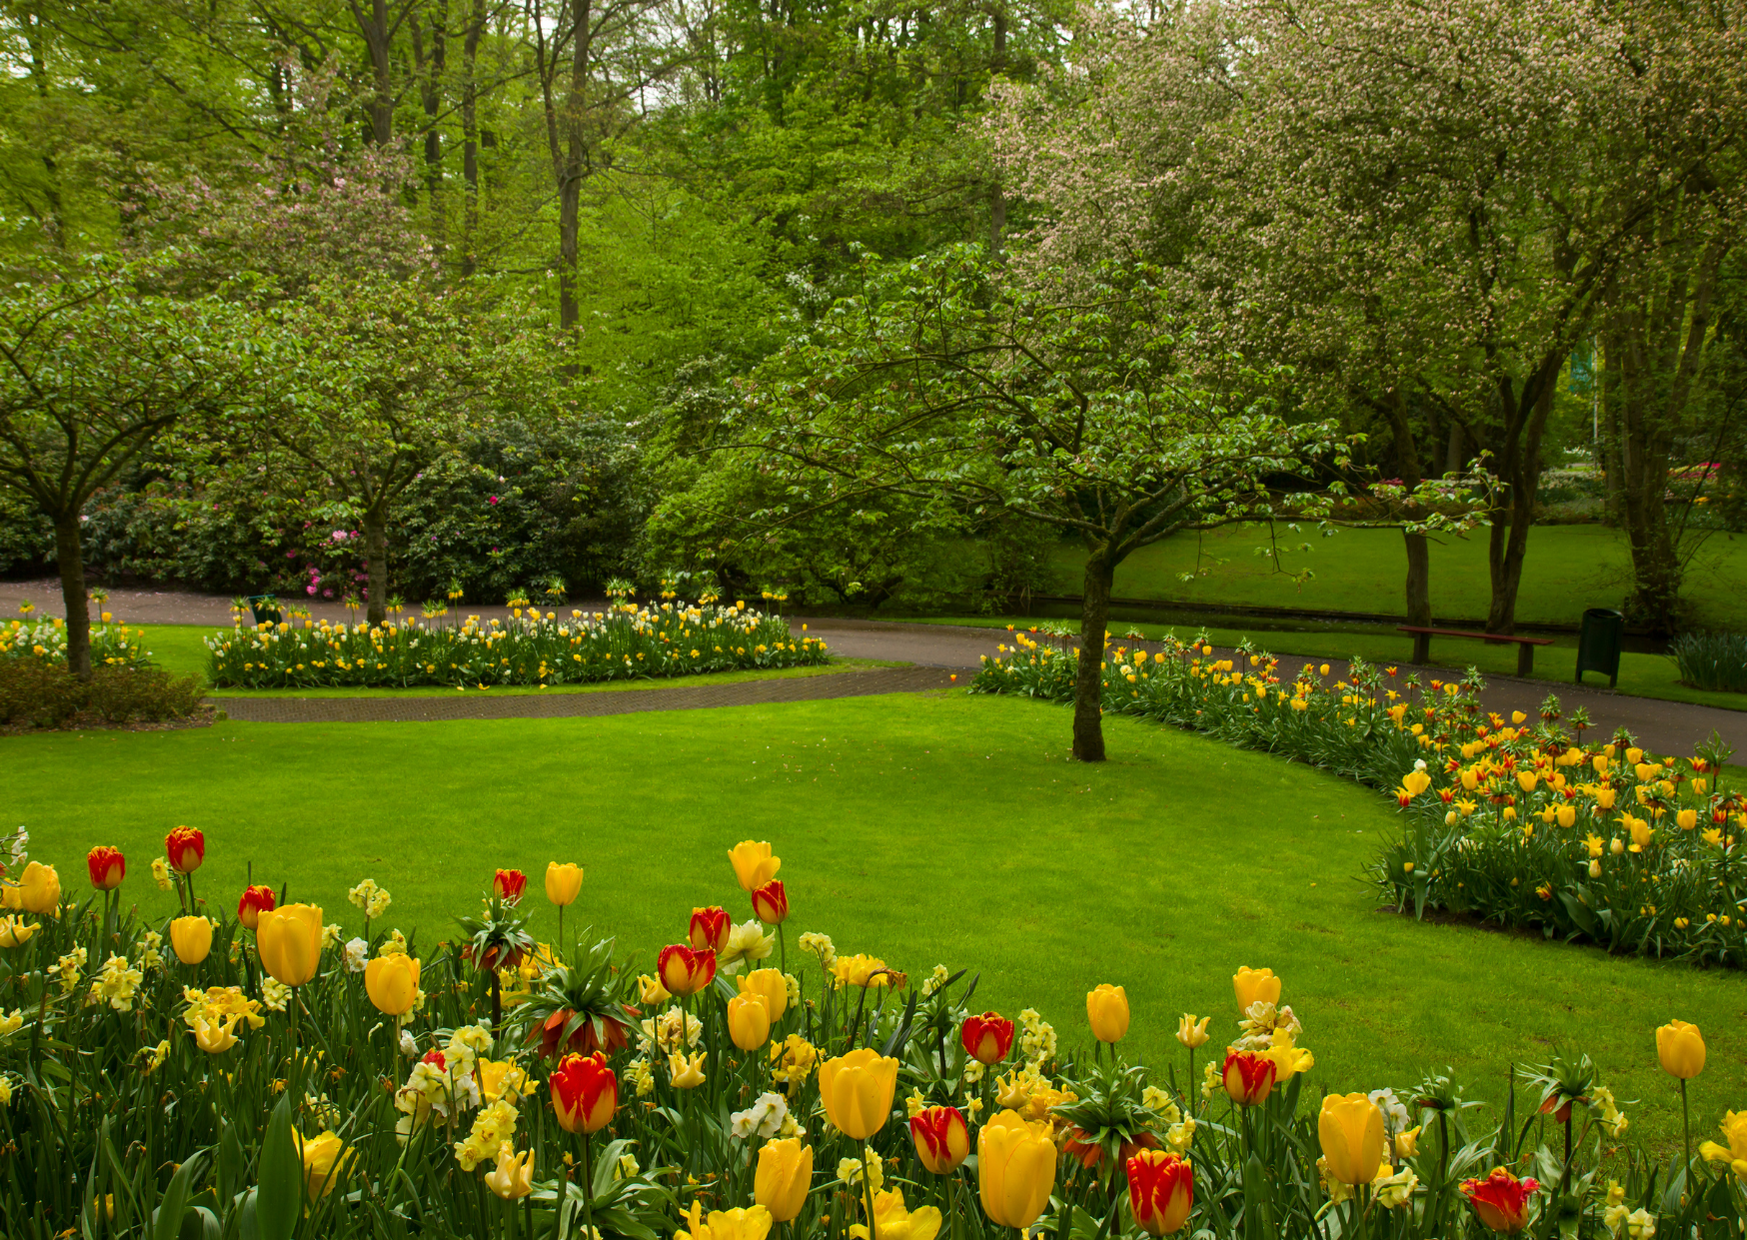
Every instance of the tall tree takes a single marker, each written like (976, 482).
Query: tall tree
(95, 365)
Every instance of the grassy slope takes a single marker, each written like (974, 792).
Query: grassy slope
(180, 648)
(1646, 675)
(926, 828)
(1568, 568)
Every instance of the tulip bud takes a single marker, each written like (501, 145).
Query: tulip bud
(753, 864)
(289, 943)
(685, 970)
(392, 982)
(509, 885)
(709, 929)
(1248, 1077)
(585, 1093)
(1107, 1011)
(191, 939)
(563, 883)
(1681, 1048)
(748, 1021)
(987, 1038)
(785, 1172)
(513, 1177)
(1350, 1128)
(38, 890)
(857, 1091)
(1255, 986)
(185, 847)
(325, 1159)
(254, 902)
(107, 866)
(1015, 1169)
(769, 985)
(770, 903)
(1192, 1033)
(941, 1138)
(1161, 1189)
(1501, 1201)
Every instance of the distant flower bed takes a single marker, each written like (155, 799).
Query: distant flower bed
(624, 643)
(112, 645)
(1509, 820)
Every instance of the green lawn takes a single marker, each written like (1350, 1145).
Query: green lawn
(923, 828)
(180, 648)
(1646, 675)
(1567, 568)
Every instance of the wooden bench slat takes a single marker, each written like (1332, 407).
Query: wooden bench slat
(1525, 646)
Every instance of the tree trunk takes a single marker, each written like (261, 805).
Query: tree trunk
(69, 554)
(1419, 597)
(376, 549)
(1519, 465)
(430, 73)
(470, 137)
(1089, 678)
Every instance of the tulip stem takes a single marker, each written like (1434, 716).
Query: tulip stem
(1685, 1125)
(587, 1187)
(867, 1190)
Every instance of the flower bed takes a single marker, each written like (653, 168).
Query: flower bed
(112, 645)
(627, 642)
(1515, 821)
(254, 1074)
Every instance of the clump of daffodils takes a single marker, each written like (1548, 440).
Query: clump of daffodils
(369, 897)
(767, 1117)
(116, 984)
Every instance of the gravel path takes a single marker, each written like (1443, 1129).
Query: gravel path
(936, 651)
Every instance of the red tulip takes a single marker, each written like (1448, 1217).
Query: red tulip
(1161, 1188)
(770, 903)
(987, 1038)
(685, 970)
(1249, 1077)
(1501, 1201)
(509, 885)
(255, 901)
(585, 1093)
(941, 1137)
(108, 867)
(185, 847)
(709, 930)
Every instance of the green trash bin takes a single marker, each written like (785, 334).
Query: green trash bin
(265, 607)
(1598, 643)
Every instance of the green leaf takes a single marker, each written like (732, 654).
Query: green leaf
(279, 1195)
(167, 1218)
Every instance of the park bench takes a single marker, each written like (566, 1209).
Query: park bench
(1525, 653)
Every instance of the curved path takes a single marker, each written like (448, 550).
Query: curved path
(936, 651)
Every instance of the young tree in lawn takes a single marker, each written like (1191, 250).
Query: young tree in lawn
(381, 378)
(1071, 404)
(95, 365)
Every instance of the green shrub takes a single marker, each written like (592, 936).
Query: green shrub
(39, 693)
(1716, 661)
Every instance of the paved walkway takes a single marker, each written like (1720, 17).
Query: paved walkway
(936, 651)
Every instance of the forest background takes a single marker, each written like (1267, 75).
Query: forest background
(869, 303)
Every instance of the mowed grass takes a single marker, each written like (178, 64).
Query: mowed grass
(1566, 569)
(923, 828)
(1644, 675)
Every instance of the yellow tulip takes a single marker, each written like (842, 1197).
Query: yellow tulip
(753, 864)
(1192, 1032)
(1686, 819)
(893, 1220)
(216, 1037)
(785, 1170)
(563, 883)
(769, 985)
(325, 1158)
(686, 1073)
(191, 939)
(501, 1078)
(1351, 1130)
(650, 991)
(1733, 1155)
(857, 1091)
(514, 1177)
(752, 1223)
(1681, 1048)
(1255, 986)
(1015, 1169)
(1407, 1143)
(1107, 1012)
(289, 942)
(38, 890)
(14, 932)
(392, 982)
(748, 1021)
